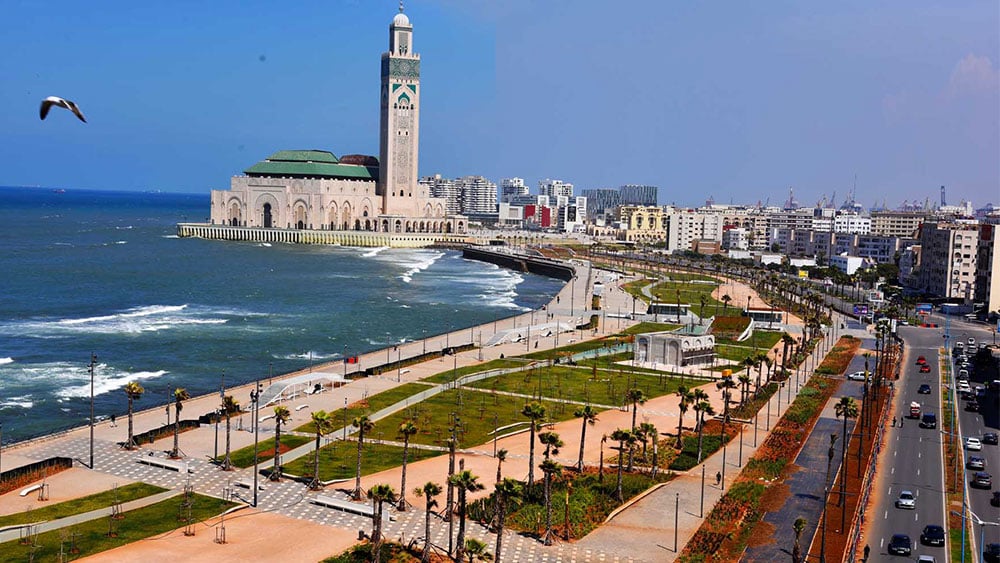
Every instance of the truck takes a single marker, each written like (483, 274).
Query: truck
(914, 410)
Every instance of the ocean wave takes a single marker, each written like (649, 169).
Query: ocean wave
(315, 356)
(106, 380)
(23, 402)
(170, 236)
(374, 252)
(4, 361)
(151, 318)
(67, 380)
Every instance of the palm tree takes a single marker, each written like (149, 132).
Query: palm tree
(535, 412)
(550, 468)
(230, 406)
(364, 425)
(281, 416)
(406, 429)
(180, 394)
(847, 408)
(745, 381)
(701, 311)
(678, 291)
(787, 341)
(798, 527)
(725, 300)
(429, 491)
(726, 385)
(379, 494)
(703, 408)
(552, 443)
(134, 391)
(621, 436)
(636, 397)
(588, 415)
(600, 467)
(476, 551)
(501, 457)
(322, 425)
(649, 432)
(686, 399)
(465, 482)
(508, 494)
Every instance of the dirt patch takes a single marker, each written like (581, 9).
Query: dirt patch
(763, 534)
(270, 451)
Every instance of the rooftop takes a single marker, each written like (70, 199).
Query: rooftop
(311, 164)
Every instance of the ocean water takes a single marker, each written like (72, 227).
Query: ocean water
(98, 272)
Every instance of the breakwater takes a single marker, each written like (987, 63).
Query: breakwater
(522, 262)
(304, 236)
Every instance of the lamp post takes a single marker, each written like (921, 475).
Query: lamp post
(255, 399)
(423, 332)
(93, 364)
(222, 397)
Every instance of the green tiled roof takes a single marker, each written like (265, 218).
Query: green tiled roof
(312, 164)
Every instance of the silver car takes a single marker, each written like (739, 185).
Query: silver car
(906, 500)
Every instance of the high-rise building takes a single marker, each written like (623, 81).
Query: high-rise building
(555, 188)
(446, 189)
(602, 201)
(988, 273)
(634, 194)
(948, 256)
(478, 195)
(511, 188)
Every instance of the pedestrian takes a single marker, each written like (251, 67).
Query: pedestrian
(893, 422)
(113, 425)
(718, 478)
(867, 551)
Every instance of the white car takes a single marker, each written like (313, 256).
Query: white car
(972, 341)
(973, 444)
(906, 500)
(856, 376)
(964, 387)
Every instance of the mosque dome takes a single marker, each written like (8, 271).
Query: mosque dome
(401, 20)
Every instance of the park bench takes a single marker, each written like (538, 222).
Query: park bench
(27, 491)
(348, 506)
(300, 407)
(165, 464)
(248, 484)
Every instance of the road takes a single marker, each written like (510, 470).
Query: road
(975, 424)
(915, 457)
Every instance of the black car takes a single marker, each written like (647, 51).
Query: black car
(991, 553)
(900, 544)
(995, 501)
(924, 389)
(932, 535)
(972, 406)
(990, 438)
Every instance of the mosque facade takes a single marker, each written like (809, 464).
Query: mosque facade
(314, 190)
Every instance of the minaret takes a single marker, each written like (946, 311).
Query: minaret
(399, 120)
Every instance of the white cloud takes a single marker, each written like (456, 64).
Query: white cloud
(974, 76)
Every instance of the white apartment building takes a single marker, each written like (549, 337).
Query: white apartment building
(900, 224)
(736, 238)
(852, 223)
(477, 195)
(511, 188)
(988, 273)
(949, 253)
(444, 188)
(553, 188)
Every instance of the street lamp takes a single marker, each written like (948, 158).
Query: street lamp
(255, 400)
(93, 363)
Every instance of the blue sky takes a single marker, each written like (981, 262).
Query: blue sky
(733, 100)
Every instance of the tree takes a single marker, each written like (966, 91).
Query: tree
(621, 436)
(364, 425)
(588, 415)
(552, 443)
(701, 310)
(725, 301)
(406, 429)
(636, 397)
(465, 482)
(281, 416)
(180, 394)
(550, 468)
(230, 406)
(798, 526)
(535, 412)
(745, 381)
(787, 341)
(379, 494)
(686, 399)
(501, 457)
(429, 491)
(322, 425)
(475, 550)
(134, 391)
(600, 467)
(725, 385)
(508, 495)
(649, 432)
(703, 408)
(847, 408)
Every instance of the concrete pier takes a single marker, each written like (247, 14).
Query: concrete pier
(305, 236)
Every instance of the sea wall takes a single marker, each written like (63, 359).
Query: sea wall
(303, 236)
(522, 263)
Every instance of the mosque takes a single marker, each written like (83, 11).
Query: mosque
(314, 196)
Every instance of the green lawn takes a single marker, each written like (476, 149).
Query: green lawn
(92, 537)
(564, 350)
(476, 411)
(338, 459)
(690, 293)
(448, 375)
(578, 385)
(243, 457)
(764, 340)
(374, 403)
(651, 327)
(80, 505)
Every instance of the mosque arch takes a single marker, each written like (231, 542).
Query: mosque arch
(428, 211)
(357, 224)
(447, 227)
(299, 215)
(234, 213)
(368, 224)
(265, 211)
(398, 226)
(345, 215)
(385, 225)
(461, 227)
(332, 216)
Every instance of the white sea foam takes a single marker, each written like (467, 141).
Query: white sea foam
(150, 318)
(170, 236)
(315, 356)
(121, 242)
(6, 361)
(106, 380)
(23, 402)
(374, 252)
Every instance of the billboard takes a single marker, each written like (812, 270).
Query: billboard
(860, 308)
(924, 308)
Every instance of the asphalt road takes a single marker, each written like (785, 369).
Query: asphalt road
(974, 424)
(915, 457)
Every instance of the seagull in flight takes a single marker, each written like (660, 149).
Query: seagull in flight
(57, 101)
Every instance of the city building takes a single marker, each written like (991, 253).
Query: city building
(511, 188)
(848, 264)
(602, 201)
(988, 273)
(555, 188)
(735, 238)
(634, 194)
(315, 190)
(896, 223)
(948, 257)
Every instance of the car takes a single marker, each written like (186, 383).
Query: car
(900, 544)
(924, 389)
(925, 368)
(975, 462)
(906, 500)
(982, 480)
(991, 553)
(972, 406)
(928, 420)
(857, 376)
(963, 375)
(995, 501)
(972, 341)
(973, 444)
(926, 559)
(932, 535)
(964, 387)
(990, 438)
(980, 392)
(921, 360)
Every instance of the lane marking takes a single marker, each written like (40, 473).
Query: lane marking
(893, 471)
(918, 472)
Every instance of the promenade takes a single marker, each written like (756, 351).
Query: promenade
(285, 505)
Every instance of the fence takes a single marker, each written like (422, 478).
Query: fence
(150, 436)
(14, 478)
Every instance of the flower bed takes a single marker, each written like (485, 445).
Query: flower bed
(840, 356)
